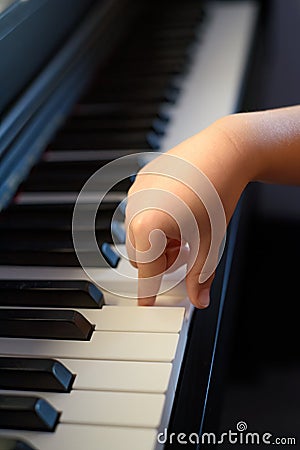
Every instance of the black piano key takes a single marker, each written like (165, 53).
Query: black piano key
(94, 123)
(120, 110)
(68, 176)
(170, 67)
(174, 33)
(59, 182)
(27, 413)
(111, 80)
(66, 258)
(70, 168)
(39, 240)
(150, 41)
(159, 127)
(34, 374)
(110, 255)
(160, 50)
(11, 443)
(50, 293)
(154, 56)
(103, 141)
(51, 216)
(169, 94)
(44, 324)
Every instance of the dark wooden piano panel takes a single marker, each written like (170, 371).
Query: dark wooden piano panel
(30, 33)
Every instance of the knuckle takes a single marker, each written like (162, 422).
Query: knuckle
(146, 221)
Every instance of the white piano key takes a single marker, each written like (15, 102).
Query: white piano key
(122, 318)
(79, 437)
(128, 376)
(86, 155)
(25, 198)
(103, 345)
(129, 409)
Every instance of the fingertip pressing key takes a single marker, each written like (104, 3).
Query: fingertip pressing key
(146, 301)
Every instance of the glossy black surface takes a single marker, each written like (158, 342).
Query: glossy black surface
(49, 293)
(27, 413)
(34, 374)
(44, 324)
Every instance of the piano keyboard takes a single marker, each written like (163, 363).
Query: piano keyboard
(81, 367)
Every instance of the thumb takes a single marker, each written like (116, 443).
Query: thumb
(199, 293)
(203, 299)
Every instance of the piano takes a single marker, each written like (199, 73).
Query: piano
(83, 84)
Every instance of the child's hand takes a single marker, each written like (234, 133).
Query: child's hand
(173, 196)
(170, 206)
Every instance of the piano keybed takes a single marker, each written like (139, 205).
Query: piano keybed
(79, 365)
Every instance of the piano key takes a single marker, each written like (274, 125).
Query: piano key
(66, 258)
(118, 231)
(130, 376)
(178, 23)
(10, 443)
(27, 412)
(150, 51)
(50, 293)
(170, 67)
(144, 94)
(50, 249)
(49, 240)
(57, 176)
(76, 437)
(122, 318)
(74, 168)
(52, 182)
(113, 80)
(105, 407)
(127, 318)
(111, 282)
(44, 324)
(120, 110)
(94, 123)
(26, 198)
(34, 374)
(175, 33)
(118, 346)
(110, 255)
(139, 63)
(147, 44)
(169, 94)
(90, 155)
(105, 141)
(52, 216)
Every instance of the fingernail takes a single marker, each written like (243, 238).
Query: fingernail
(203, 298)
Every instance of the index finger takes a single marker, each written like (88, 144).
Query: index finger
(149, 280)
(149, 239)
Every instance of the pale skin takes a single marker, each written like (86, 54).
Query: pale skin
(234, 150)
